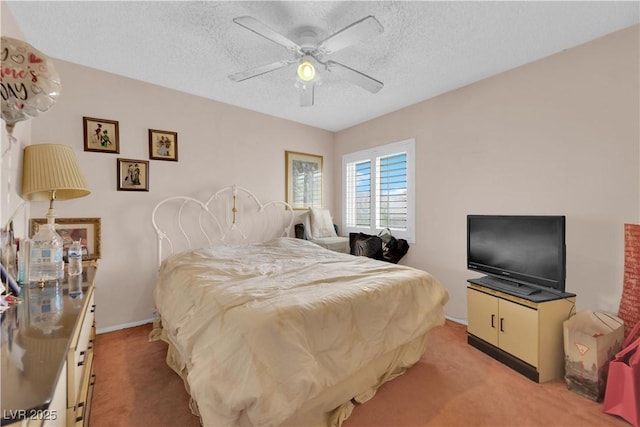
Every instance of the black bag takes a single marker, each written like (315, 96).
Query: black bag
(401, 249)
(365, 245)
(393, 249)
(389, 243)
(384, 246)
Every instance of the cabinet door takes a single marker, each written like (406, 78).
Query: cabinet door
(518, 331)
(482, 310)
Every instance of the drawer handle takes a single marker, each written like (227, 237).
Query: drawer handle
(93, 308)
(493, 320)
(82, 353)
(81, 417)
(92, 383)
(501, 324)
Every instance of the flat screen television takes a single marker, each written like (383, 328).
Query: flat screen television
(522, 250)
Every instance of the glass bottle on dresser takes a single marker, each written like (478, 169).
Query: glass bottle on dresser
(75, 269)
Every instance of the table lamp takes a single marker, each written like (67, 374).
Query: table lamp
(50, 172)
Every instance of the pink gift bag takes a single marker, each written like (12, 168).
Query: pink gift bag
(622, 394)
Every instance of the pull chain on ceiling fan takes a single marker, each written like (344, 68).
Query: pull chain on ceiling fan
(308, 51)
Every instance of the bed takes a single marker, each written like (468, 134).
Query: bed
(270, 330)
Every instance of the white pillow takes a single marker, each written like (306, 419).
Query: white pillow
(307, 227)
(321, 223)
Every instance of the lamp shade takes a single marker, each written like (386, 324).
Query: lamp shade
(51, 167)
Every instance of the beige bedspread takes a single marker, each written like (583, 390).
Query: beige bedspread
(263, 328)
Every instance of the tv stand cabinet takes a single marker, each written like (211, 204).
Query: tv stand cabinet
(524, 335)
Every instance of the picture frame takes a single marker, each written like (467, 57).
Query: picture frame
(303, 180)
(133, 175)
(163, 145)
(87, 230)
(101, 135)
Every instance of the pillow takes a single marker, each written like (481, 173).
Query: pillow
(307, 227)
(321, 223)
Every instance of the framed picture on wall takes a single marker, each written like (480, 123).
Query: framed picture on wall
(101, 135)
(133, 175)
(85, 230)
(163, 145)
(303, 180)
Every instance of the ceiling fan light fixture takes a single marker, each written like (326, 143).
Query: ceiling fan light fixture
(309, 52)
(306, 71)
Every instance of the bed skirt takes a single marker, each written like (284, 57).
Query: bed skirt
(335, 404)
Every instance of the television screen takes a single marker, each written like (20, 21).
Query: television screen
(527, 250)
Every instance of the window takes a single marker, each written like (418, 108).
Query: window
(378, 190)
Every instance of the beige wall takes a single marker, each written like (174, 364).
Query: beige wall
(557, 136)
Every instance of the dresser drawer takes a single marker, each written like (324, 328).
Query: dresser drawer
(79, 414)
(80, 357)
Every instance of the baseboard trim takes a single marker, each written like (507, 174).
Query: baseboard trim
(124, 326)
(460, 321)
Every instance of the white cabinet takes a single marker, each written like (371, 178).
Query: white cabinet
(525, 335)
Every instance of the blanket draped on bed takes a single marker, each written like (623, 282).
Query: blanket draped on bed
(263, 328)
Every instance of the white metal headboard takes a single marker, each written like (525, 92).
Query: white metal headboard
(233, 215)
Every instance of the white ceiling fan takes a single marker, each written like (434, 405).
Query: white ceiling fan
(309, 52)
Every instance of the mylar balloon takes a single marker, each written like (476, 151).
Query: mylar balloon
(29, 83)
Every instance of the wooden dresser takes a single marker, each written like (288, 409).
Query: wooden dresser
(47, 355)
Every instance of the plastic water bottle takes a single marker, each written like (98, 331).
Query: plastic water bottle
(45, 258)
(23, 261)
(75, 258)
(9, 256)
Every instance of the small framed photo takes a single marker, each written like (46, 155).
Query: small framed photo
(163, 145)
(133, 175)
(101, 135)
(86, 230)
(303, 180)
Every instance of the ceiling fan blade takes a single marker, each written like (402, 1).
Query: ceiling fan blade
(356, 77)
(306, 95)
(261, 29)
(262, 69)
(352, 34)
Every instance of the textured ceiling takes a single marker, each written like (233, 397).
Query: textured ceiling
(427, 48)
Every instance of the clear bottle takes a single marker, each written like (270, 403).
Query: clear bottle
(45, 258)
(23, 261)
(9, 259)
(75, 258)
